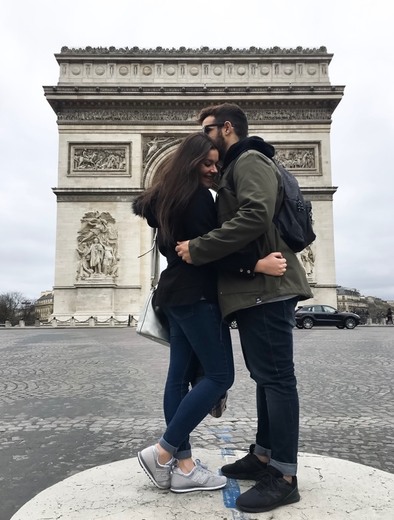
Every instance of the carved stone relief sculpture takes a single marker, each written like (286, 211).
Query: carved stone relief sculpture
(159, 115)
(307, 258)
(297, 158)
(97, 247)
(85, 160)
(153, 145)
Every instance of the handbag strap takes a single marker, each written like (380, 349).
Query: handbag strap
(155, 259)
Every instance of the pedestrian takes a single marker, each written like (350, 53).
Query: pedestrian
(389, 316)
(262, 306)
(180, 205)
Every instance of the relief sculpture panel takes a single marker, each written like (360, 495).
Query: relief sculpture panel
(97, 248)
(298, 157)
(99, 159)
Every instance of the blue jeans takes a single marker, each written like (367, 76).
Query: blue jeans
(266, 333)
(198, 336)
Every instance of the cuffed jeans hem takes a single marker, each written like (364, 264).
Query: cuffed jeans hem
(284, 467)
(260, 450)
(168, 447)
(184, 454)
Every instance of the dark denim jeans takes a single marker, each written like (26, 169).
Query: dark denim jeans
(266, 333)
(198, 336)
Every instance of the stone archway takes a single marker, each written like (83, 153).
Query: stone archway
(119, 111)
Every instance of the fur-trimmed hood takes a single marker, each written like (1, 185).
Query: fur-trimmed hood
(250, 143)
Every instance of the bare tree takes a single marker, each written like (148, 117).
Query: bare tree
(14, 307)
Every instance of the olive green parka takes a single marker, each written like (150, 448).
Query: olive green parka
(246, 199)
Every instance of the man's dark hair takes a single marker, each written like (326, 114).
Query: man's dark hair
(227, 112)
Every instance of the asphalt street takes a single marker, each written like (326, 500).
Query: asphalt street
(71, 399)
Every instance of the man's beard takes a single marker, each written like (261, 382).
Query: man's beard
(221, 146)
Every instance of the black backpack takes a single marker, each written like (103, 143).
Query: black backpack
(293, 214)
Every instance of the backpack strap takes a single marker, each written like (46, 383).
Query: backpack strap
(280, 194)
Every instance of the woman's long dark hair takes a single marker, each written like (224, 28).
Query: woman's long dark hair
(175, 182)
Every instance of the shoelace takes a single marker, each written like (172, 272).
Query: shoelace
(198, 462)
(267, 480)
(202, 467)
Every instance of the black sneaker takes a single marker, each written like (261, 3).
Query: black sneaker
(247, 468)
(270, 492)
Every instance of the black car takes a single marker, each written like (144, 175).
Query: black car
(309, 315)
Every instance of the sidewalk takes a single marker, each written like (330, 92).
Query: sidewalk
(330, 488)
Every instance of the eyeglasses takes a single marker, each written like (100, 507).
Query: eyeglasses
(207, 128)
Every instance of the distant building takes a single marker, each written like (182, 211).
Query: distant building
(350, 300)
(44, 306)
(368, 307)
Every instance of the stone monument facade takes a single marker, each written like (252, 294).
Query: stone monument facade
(121, 111)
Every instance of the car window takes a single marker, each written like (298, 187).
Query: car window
(327, 308)
(317, 308)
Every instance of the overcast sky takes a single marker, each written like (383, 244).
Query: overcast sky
(358, 32)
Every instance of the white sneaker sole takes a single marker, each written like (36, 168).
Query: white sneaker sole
(202, 488)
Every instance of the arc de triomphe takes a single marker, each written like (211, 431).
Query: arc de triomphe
(120, 111)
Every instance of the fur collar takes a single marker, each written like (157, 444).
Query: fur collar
(250, 143)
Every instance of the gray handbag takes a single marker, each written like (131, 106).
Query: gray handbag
(152, 323)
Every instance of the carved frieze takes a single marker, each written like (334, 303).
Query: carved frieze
(182, 115)
(99, 159)
(97, 248)
(254, 72)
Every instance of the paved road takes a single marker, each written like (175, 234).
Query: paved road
(71, 399)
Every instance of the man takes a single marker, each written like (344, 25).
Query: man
(262, 305)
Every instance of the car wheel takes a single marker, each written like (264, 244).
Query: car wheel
(299, 326)
(350, 323)
(233, 324)
(307, 323)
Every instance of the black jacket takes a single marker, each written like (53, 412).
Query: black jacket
(181, 283)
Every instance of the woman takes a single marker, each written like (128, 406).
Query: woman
(180, 205)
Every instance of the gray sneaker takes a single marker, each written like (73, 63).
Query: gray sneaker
(159, 474)
(199, 479)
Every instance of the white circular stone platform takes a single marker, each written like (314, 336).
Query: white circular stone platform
(330, 489)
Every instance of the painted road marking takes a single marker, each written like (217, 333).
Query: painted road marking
(232, 490)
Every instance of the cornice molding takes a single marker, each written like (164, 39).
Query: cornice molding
(183, 51)
(96, 194)
(318, 193)
(120, 91)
